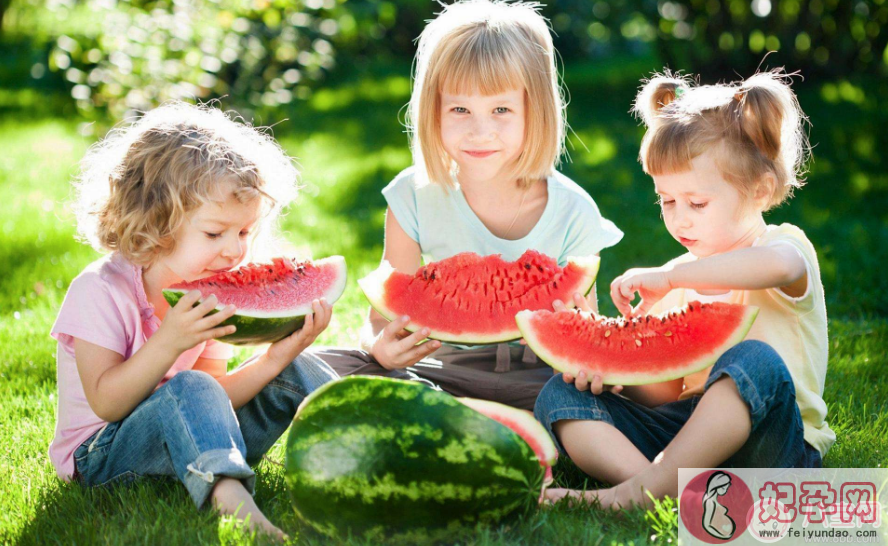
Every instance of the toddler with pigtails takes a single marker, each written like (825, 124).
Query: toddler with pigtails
(720, 156)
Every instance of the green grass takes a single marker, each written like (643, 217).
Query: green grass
(350, 145)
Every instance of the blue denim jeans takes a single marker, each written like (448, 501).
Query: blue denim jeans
(763, 381)
(187, 429)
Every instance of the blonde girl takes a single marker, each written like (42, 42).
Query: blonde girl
(181, 194)
(487, 124)
(720, 156)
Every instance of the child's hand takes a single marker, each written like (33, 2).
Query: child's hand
(395, 348)
(184, 325)
(579, 301)
(652, 284)
(284, 351)
(581, 382)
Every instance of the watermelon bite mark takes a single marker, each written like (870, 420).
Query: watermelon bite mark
(473, 299)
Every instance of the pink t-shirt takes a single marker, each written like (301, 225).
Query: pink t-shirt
(105, 305)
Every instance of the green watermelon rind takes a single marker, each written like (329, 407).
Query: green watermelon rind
(401, 486)
(521, 418)
(257, 328)
(373, 287)
(524, 321)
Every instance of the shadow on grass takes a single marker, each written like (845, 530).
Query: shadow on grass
(150, 511)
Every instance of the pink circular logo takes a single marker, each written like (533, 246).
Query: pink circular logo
(715, 505)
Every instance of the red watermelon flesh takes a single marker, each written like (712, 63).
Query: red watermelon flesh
(271, 289)
(271, 299)
(523, 424)
(469, 298)
(640, 350)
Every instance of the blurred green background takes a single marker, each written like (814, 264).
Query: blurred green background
(110, 56)
(332, 78)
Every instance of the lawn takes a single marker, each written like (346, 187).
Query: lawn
(349, 144)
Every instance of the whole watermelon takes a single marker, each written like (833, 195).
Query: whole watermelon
(374, 457)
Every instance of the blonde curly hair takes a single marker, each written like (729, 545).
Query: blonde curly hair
(137, 186)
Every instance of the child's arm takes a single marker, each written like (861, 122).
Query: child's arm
(114, 386)
(388, 342)
(757, 268)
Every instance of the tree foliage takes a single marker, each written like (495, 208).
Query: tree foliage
(132, 54)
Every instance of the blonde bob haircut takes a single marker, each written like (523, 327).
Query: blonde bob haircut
(487, 47)
(137, 186)
(753, 127)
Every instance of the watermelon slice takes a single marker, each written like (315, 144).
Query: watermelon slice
(473, 299)
(640, 350)
(272, 299)
(523, 424)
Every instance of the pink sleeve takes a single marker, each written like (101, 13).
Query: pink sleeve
(90, 313)
(217, 350)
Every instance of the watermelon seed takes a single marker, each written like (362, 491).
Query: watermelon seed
(555, 284)
(527, 266)
(607, 333)
(638, 342)
(667, 333)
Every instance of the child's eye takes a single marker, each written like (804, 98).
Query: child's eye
(501, 110)
(664, 202)
(212, 235)
(459, 110)
(698, 205)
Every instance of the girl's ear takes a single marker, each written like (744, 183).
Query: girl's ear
(765, 189)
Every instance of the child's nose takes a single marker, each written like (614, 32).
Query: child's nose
(482, 129)
(683, 219)
(233, 248)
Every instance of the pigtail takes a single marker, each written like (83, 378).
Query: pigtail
(656, 94)
(761, 113)
(770, 117)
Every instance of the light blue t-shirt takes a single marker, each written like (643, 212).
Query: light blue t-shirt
(442, 222)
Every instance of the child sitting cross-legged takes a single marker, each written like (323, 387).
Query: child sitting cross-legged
(720, 156)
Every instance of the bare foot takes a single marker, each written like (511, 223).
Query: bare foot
(570, 496)
(624, 495)
(230, 497)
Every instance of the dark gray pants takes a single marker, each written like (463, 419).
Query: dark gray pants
(509, 375)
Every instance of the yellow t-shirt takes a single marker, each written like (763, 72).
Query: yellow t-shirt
(794, 327)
